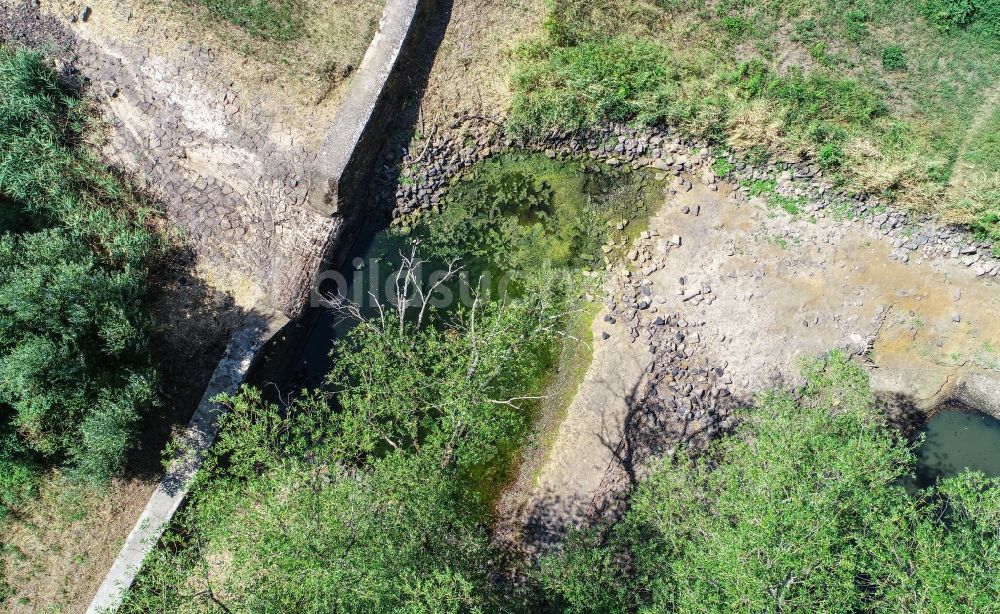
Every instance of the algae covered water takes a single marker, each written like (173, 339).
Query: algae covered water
(505, 218)
(956, 440)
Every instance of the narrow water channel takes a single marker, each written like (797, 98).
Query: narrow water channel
(957, 440)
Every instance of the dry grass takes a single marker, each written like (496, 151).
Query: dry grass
(59, 547)
(472, 68)
(305, 77)
(758, 122)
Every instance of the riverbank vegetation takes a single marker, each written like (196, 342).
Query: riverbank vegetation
(804, 508)
(378, 493)
(889, 97)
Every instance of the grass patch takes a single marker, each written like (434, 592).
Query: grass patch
(722, 167)
(983, 147)
(791, 205)
(279, 20)
(878, 91)
(609, 80)
(759, 187)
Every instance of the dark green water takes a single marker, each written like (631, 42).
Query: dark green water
(958, 440)
(505, 216)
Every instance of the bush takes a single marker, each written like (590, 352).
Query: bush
(370, 504)
(980, 15)
(830, 156)
(949, 13)
(398, 535)
(893, 58)
(74, 251)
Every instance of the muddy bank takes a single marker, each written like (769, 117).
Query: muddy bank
(758, 289)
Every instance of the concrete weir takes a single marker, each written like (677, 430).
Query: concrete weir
(344, 164)
(341, 174)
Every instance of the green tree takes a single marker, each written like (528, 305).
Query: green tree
(73, 367)
(75, 244)
(803, 510)
(394, 535)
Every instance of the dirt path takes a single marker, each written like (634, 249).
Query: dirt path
(779, 288)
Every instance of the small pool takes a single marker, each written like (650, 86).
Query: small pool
(956, 440)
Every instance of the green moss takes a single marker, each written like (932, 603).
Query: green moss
(515, 212)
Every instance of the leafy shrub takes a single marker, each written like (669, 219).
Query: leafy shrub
(893, 58)
(74, 250)
(397, 535)
(980, 15)
(72, 351)
(949, 13)
(445, 398)
(830, 156)
(372, 504)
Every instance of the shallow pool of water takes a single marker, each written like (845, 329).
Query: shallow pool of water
(956, 440)
(580, 206)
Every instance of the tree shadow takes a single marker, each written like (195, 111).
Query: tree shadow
(192, 326)
(414, 70)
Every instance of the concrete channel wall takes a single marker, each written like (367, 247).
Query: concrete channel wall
(342, 172)
(193, 446)
(345, 163)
